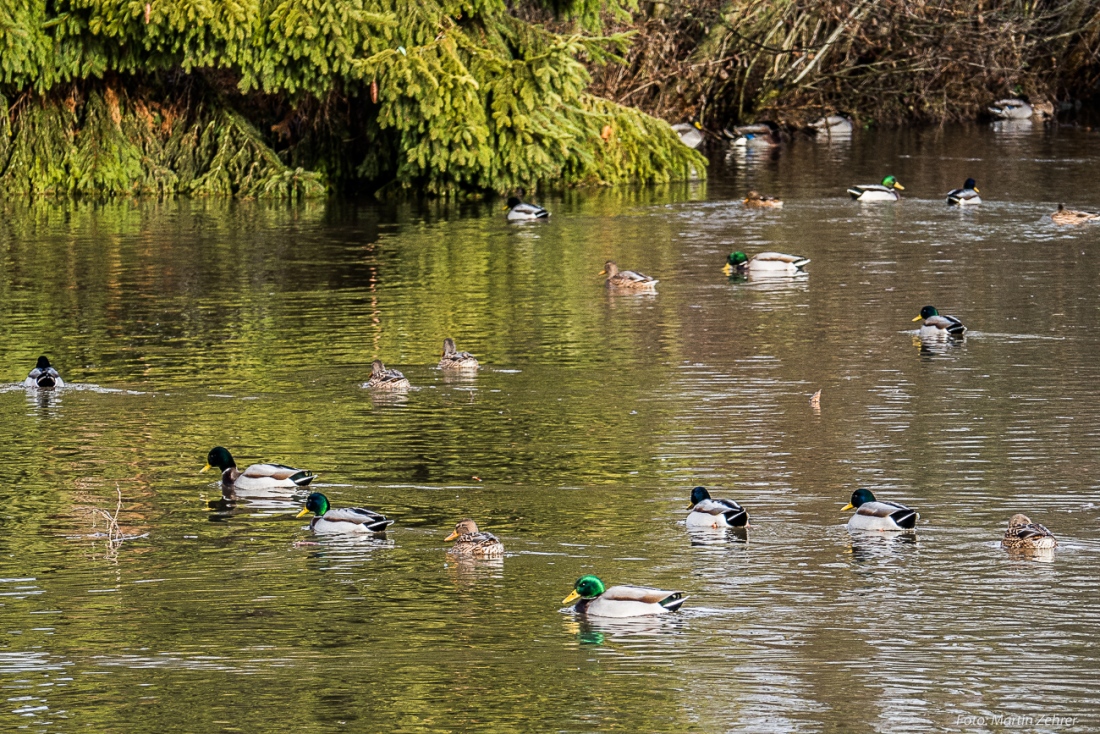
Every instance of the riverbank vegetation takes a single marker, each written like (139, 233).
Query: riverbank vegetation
(286, 98)
(888, 61)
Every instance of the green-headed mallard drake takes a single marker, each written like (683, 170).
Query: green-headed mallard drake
(621, 601)
(1071, 216)
(256, 476)
(382, 378)
(707, 512)
(519, 211)
(968, 195)
(473, 543)
(627, 279)
(453, 359)
(936, 326)
(691, 133)
(756, 200)
(886, 191)
(776, 263)
(1023, 534)
(347, 520)
(872, 514)
(43, 375)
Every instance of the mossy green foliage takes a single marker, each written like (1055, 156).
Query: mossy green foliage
(286, 96)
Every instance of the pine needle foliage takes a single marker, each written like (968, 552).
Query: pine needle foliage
(284, 98)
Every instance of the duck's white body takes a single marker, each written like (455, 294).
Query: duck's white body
(631, 601)
(45, 376)
(882, 515)
(717, 513)
(777, 262)
(833, 126)
(941, 327)
(350, 520)
(690, 135)
(526, 212)
(266, 476)
(873, 193)
(964, 197)
(1012, 109)
(36, 380)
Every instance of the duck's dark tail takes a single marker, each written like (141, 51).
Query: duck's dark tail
(736, 518)
(906, 519)
(378, 526)
(303, 478)
(673, 601)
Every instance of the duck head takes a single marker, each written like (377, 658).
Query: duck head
(892, 183)
(587, 587)
(972, 185)
(219, 458)
(316, 503)
(513, 202)
(464, 527)
(859, 497)
(698, 494)
(926, 313)
(736, 261)
(610, 269)
(449, 346)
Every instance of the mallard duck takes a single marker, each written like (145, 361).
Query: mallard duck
(1070, 216)
(1024, 534)
(1018, 109)
(382, 378)
(936, 326)
(690, 133)
(714, 513)
(886, 191)
(347, 520)
(757, 140)
(832, 126)
(968, 195)
(872, 514)
(256, 476)
(519, 211)
(473, 543)
(1011, 109)
(453, 359)
(776, 263)
(43, 375)
(627, 279)
(621, 601)
(755, 199)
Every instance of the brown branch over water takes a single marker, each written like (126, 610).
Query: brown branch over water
(889, 61)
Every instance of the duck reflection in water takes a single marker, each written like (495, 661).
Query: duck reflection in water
(866, 547)
(700, 537)
(601, 630)
(931, 348)
(469, 571)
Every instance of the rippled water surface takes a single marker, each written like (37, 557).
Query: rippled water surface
(186, 325)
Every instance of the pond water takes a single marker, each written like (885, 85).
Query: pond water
(185, 325)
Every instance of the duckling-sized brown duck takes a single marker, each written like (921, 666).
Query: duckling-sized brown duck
(1023, 534)
(627, 279)
(756, 200)
(382, 378)
(1070, 216)
(473, 543)
(453, 359)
